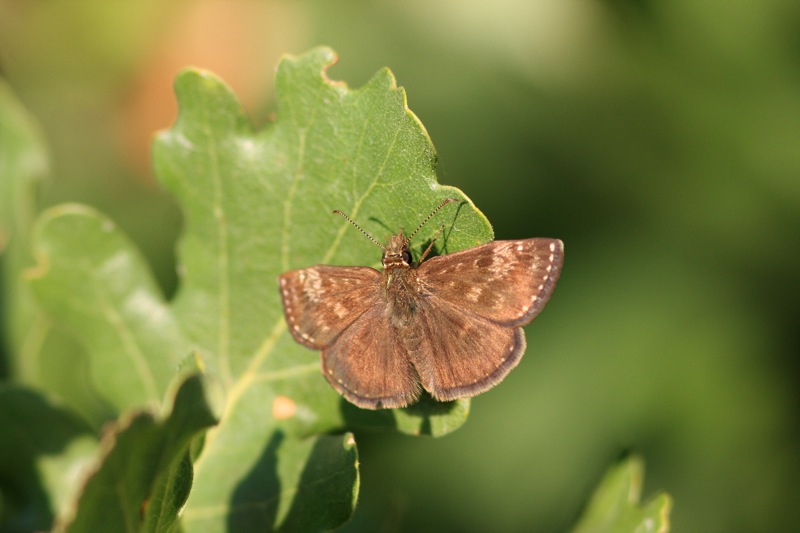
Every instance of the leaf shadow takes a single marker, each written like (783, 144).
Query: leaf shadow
(448, 229)
(254, 502)
(415, 419)
(382, 224)
(48, 432)
(427, 409)
(357, 418)
(318, 483)
(438, 239)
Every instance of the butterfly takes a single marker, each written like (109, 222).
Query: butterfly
(451, 325)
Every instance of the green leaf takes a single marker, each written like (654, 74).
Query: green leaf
(39, 356)
(95, 282)
(426, 417)
(42, 447)
(255, 205)
(137, 454)
(169, 494)
(296, 485)
(23, 164)
(615, 504)
(260, 203)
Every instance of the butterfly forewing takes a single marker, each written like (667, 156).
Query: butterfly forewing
(458, 353)
(320, 302)
(507, 282)
(368, 364)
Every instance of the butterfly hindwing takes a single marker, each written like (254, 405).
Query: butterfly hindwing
(368, 364)
(460, 354)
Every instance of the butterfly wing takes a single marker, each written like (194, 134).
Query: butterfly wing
(508, 282)
(338, 310)
(458, 354)
(369, 365)
(320, 302)
(470, 334)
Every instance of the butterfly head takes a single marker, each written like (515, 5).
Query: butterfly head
(396, 254)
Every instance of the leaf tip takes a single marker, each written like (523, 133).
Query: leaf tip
(195, 75)
(328, 58)
(318, 60)
(47, 223)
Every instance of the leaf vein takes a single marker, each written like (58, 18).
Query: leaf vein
(131, 348)
(223, 261)
(360, 200)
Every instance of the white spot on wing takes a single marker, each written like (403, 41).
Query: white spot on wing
(474, 293)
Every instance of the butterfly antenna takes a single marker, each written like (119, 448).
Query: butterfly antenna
(367, 235)
(446, 201)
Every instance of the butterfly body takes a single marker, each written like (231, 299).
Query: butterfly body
(403, 290)
(451, 325)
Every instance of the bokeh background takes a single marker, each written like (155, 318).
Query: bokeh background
(660, 139)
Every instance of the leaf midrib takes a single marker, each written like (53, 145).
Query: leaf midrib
(223, 264)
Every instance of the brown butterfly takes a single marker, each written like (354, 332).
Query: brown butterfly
(451, 325)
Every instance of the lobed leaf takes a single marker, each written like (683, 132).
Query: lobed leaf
(615, 504)
(140, 453)
(95, 282)
(256, 203)
(39, 356)
(259, 203)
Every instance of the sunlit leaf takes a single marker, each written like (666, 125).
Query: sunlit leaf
(260, 202)
(616, 506)
(256, 203)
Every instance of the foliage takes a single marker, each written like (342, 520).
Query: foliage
(255, 204)
(657, 139)
(615, 504)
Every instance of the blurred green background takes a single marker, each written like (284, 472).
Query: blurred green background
(659, 139)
